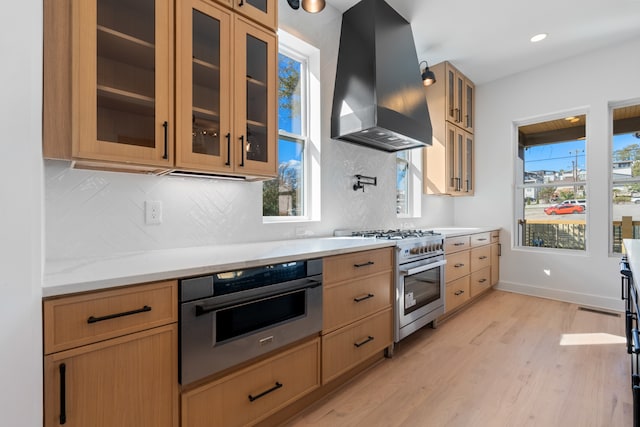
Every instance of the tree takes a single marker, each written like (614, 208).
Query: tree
(546, 193)
(289, 79)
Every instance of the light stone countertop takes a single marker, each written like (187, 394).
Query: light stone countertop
(87, 274)
(461, 231)
(632, 248)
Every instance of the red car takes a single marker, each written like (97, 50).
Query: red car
(563, 209)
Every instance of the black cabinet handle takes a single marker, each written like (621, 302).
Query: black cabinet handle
(364, 265)
(459, 244)
(165, 125)
(63, 392)
(228, 163)
(264, 393)
(366, 297)
(482, 280)
(242, 151)
(241, 3)
(361, 343)
(482, 257)
(93, 319)
(459, 265)
(460, 292)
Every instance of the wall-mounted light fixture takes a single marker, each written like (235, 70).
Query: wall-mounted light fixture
(311, 6)
(428, 78)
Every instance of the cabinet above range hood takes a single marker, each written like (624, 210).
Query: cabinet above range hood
(379, 99)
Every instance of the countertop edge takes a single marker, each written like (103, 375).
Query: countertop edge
(63, 277)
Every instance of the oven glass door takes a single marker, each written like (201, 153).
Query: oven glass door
(253, 316)
(422, 289)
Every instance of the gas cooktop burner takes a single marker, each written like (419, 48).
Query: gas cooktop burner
(394, 234)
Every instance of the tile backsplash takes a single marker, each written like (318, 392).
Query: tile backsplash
(94, 213)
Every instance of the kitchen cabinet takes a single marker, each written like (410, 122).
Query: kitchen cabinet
(251, 394)
(472, 267)
(160, 86)
(111, 358)
(226, 110)
(449, 162)
(358, 290)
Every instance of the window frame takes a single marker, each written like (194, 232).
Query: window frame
(310, 136)
(520, 185)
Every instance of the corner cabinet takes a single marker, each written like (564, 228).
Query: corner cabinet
(159, 86)
(226, 119)
(449, 162)
(111, 358)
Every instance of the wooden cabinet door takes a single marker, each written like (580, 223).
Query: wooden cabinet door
(262, 11)
(495, 263)
(254, 140)
(122, 81)
(204, 95)
(130, 381)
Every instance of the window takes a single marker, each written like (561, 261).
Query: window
(625, 174)
(403, 160)
(294, 194)
(551, 195)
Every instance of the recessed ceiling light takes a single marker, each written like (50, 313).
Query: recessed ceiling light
(538, 37)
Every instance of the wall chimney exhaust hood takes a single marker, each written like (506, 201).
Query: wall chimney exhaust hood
(379, 98)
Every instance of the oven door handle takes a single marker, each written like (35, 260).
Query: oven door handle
(422, 268)
(202, 309)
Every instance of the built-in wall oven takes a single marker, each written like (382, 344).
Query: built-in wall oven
(419, 282)
(233, 316)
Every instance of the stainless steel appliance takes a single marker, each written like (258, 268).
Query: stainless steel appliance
(420, 285)
(230, 317)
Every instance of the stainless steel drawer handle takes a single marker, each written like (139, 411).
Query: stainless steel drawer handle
(363, 298)
(482, 239)
(364, 265)
(93, 319)
(482, 257)
(264, 393)
(361, 343)
(459, 244)
(459, 265)
(460, 292)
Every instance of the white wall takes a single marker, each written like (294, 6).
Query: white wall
(92, 213)
(21, 214)
(587, 81)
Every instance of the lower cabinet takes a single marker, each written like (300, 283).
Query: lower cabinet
(457, 293)
(130, 381)
(349, 346)
(247, 396)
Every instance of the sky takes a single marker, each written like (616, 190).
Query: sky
(562, 155)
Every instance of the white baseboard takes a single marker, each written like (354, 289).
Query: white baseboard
(598, 301)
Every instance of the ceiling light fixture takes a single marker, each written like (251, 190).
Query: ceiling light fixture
(311, 6)
(538, 37)
(428, 78)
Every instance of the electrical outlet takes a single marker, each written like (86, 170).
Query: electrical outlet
(153, 212)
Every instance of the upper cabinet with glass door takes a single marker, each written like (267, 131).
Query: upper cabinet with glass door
(211, 87)
(121, 70)
(449, 162)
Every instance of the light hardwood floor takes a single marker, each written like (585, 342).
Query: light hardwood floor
(500, 362)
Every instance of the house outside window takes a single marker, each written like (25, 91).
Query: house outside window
(551, 190)
(403, 161)
(294, 194)
(625, 173)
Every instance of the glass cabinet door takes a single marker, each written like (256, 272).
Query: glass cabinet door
(255, 99)
(467, 119)
(452, 174)
(204, 90)
(468, 164)
(262, 11)
(122, 73)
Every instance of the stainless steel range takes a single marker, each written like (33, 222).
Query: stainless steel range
(420, 286)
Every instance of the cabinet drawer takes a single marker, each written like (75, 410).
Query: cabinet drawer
(480, 281)
(355, 265)
(480, 257)
(350, 301)
(83, 319)
(347, 347)
(246, 396)
(480, 239)
(456, 244)
(457, 293)
(458, 265)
